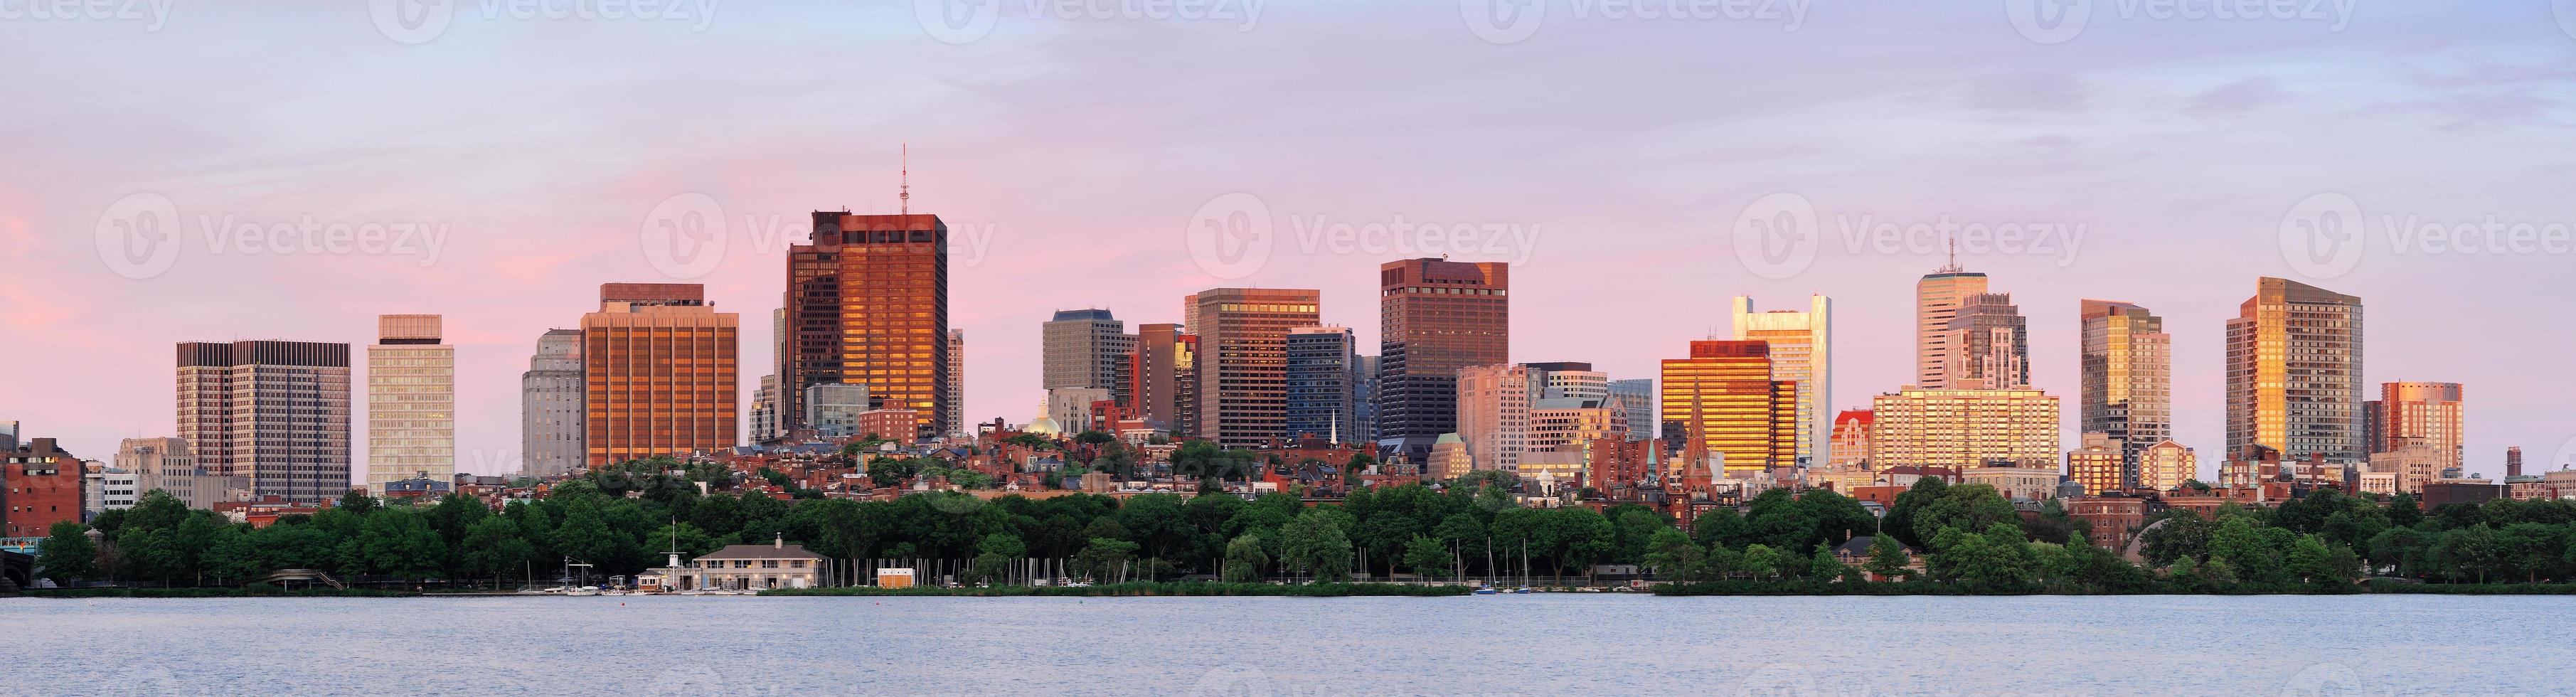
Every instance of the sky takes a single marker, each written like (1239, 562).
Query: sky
(1638, 163)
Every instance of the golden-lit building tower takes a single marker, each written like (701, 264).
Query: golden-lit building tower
(867, 304)
(1435, 316)
(2418, 413)
(2294, 362)
(1801, 352)
(1243, 361)
(1722, 402)
(2165, 466)
(658, 371)
(1963, 428)
(411, 402)
(1494, 414)
(1937, 299)
(2127, 389)
(2098, 465)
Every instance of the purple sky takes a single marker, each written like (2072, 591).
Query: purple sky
(1072, 155)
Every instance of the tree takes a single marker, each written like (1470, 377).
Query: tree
(2244, 550)
(1426, 557)
(1887, 558)
(493, 548)
(1824, 567)
(1674, 556)
(1901, 515)
(1313, 544)
(67, 554)
(1104, 558)
(1761, 561)
(1244, 559)
(2309, 562)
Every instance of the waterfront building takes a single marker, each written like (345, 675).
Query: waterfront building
(2127, 391)
(1435, 317)
(1801, 352)
(753, 567)
(1937, 299)
(658, 367)
(1729, 417)
(411, 402)
(1322, 399)
(2098, 466)
(550, 407)
(274, 411)
(1963, 428)
(2294, 370)
(867, 304)
(40, 485)
(1242, 356)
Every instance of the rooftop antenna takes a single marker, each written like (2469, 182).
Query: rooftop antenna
(1953, 266)
(905, 197)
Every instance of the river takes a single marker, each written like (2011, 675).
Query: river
(1533, 644)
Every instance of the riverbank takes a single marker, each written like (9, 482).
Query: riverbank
(1147, 590)
(216, 592)
(1811, 588)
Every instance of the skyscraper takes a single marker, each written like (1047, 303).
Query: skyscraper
(2128, 379)
(1568, 380)
(411, 402)
(867, 304)
(1721, 402)
(957, 418)
(1801, 352)
(550, 407)
(1435, 317)
(1157, 366)
(2294, 370)
(274, 411)
(659, 373)
(1937, 299)
(1363, 426)
(1637, 396)
(1243, 361)
(1083, 348)
(1987, 346)
(2420, 413)
(1321, 396)
(1493, 414)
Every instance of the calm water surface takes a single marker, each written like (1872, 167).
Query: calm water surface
(1536, 644)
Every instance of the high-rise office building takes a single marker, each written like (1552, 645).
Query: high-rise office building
(2294, 370)
(658, 368)
(1801, 352)
(1637, 396)
(1493, 414)
(764, 410)
(274, 411)
(2128, 380)
(832, 409)
(1154, 373)
(1987, 346)
(1322, 401)
(411, 402)
(1364, 370)
(957, 419)
(1851, 439)
(1721, 403)
(2419, 413)
(1964, 428)
(1243, 361)
(1937, 299)
(1435, 317)
(1083, 348)
(867, 304)
(550, 407)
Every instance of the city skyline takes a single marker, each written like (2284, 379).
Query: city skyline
(1639, 252)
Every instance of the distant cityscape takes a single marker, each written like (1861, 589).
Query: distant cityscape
(865, 352)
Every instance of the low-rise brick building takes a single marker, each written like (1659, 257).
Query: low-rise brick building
(40, 485)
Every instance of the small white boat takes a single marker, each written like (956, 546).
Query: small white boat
(584, 591)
